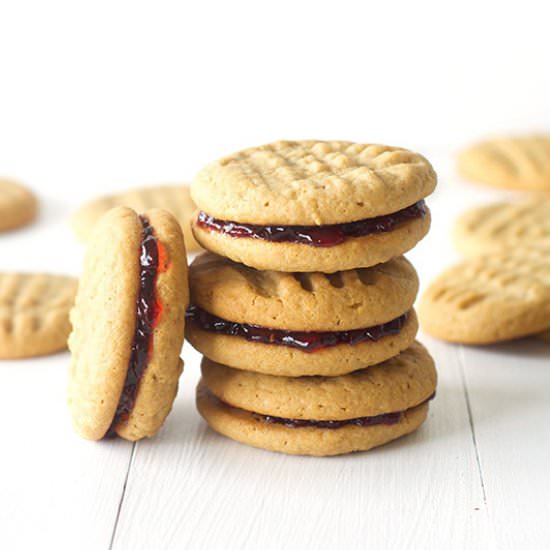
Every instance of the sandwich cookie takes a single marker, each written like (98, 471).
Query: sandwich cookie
(174, 198)
(297, 324)
(317, 415)
(128, 324)
(521, 162)
(34, 313)
(503, 226)
(18, 205)
(490, 298)
(305, 206)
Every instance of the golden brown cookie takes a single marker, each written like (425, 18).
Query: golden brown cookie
(34, 313)
(174, 198)
(292, 360)
(399, 383)
(275, 434)
(128, 325)
(303, 301)
(521, 162)
(364, 251)
(300, 324)
(18, 205)
(313, 205)
(490, 298)
(503, 226)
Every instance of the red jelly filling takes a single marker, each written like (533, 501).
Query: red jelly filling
(387, 418)
(364, 421)
(303, 340)
(148, 310)
(322, 235)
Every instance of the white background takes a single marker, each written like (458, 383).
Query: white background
(98, 96)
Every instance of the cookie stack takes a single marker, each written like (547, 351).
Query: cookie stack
(302, 307)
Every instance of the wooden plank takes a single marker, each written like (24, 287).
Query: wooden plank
(191, 488)
(509, 392)
(58, 491)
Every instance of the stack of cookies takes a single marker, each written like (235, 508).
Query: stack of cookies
(303, 306)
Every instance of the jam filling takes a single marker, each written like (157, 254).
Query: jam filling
(321, 236)
(303, 340)
(148, 311)
(363, 421)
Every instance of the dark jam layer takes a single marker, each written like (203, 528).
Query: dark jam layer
(147, 313)
(364, 421)
(322, 235)
(387, 418)
(303, 340)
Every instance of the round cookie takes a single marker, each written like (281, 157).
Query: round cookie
(128, 324)
(397, 384)
(281, 360)
(18, 205)
(304, 301)
(34, 313)
(521, 162)
(503, 226)
(300, 324)
(273, 207)
(490, 298)
(354, 252)
(174, 198)
(246, 427)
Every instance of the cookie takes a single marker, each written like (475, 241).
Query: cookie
(174, 198)
(34, 313)
(399, 383)
(521, 162)
(128, 324)
(18, 205)
(544, 336)
(300, 324)
(490, 299)
(316, 415)
(313, 205)
(503, 226)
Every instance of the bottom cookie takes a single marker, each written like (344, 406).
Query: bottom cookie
(298, 438)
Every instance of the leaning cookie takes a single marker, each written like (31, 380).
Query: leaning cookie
(521, 162)
(300, 324)
(503, 226)
(128, 325)
(305, 206)
(490, 299)
(317, 415)
(34, 313)
(174, 198)
(18, 205)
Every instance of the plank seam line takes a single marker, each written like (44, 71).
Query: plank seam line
(122, 495)
(471, 422)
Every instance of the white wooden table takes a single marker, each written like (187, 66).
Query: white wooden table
(477, 475)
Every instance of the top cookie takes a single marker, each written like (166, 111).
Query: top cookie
(18, 206)
(174, 198)
(503, 226)
(303, 301)
(513, 162)
(312, 183)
